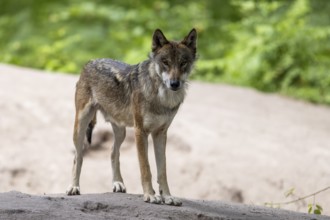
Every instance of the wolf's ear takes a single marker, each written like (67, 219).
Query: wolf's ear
(158, 40)
(190, 40)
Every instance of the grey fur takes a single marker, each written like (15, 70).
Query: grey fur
(146, 95)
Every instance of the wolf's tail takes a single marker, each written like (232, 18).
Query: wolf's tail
(90, 128)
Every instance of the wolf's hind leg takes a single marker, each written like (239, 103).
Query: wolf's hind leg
(84, 114)
(117, 180)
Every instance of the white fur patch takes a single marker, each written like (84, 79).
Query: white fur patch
(157, 68)
(118, 187)
(166, 79)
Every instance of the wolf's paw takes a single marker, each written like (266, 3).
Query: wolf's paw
(118, 187)
(170, 200)
(73, 190)
(152, 199)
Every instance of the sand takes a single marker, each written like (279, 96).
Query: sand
(226, 143)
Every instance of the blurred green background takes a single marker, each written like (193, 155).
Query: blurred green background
(274, 46)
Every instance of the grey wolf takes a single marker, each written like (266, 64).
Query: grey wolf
(145, 96)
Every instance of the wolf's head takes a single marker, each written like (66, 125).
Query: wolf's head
(173, 60)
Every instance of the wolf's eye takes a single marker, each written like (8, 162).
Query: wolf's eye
(183, 64)
(165, 62)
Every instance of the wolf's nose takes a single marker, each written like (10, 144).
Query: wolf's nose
(175, 84)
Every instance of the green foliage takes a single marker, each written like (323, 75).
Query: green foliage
(290, 192)
(280, 50)
(274, 46)
(312, 208)
(63, 35)
(315, 209)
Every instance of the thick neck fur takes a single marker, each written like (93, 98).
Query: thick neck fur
(153, 88)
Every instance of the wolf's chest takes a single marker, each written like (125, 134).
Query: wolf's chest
(152, 122)
(161, 109)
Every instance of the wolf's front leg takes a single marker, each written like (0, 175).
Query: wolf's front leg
(117, 180)
(159, 139)
(142, 148)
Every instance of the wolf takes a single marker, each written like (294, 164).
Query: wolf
(145, 96)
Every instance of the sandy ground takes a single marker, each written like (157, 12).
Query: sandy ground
(128, 206)
(226, 143)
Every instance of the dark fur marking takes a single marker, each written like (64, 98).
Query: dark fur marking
(116, 80)
(89, 132)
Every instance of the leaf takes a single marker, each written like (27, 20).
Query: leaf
(310, 208)
(317, 212)
(289, 192)
(319, 207)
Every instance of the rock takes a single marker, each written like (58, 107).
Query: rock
(16, 205)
